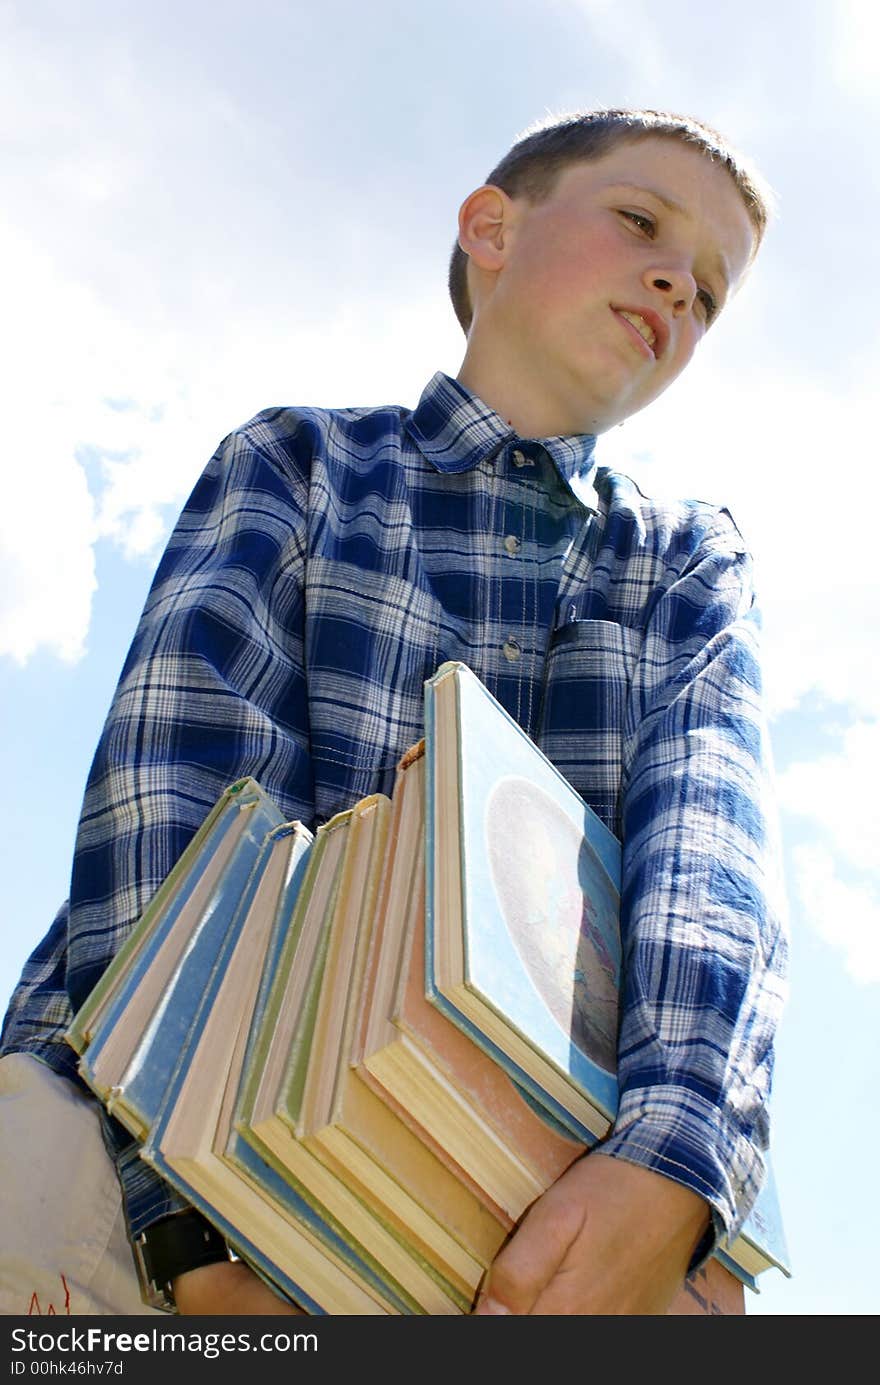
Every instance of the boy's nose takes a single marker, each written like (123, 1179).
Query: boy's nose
(678, 287)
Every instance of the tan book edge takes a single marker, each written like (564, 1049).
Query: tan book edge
(343, 969)
(273, 1048)
(268, 1124)
(365, 1142)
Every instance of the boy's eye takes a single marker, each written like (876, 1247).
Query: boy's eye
(710, 307)
(644, 223)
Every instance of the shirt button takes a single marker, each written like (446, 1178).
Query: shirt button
(511, 649)
(512, 545)
(520, 459)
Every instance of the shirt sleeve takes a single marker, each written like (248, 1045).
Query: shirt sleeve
(702, 910)
(213, 689)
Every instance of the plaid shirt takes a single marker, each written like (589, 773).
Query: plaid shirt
(325, 564)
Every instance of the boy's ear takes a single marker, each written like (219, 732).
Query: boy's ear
(484, 224)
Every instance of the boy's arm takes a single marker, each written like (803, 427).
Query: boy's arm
(228, 1290)
(705, 953)
(213, 688)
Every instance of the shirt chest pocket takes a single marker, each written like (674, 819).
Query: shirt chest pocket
(587, 683)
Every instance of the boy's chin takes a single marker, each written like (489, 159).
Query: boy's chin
(603, 410)
(615, 417)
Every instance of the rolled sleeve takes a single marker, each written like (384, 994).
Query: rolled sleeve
(702, 911)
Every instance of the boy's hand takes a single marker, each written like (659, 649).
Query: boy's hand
(607, 1238)
(228, 1289)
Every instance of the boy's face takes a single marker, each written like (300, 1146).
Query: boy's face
(603, 290)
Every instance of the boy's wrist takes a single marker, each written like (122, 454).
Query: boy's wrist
(230, 1289)
(208, 1289)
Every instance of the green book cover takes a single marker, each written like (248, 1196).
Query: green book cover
(278, 1018)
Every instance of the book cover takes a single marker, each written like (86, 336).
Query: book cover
(144, 1015)
(198, 857)
(522, 942)
(760, 1243)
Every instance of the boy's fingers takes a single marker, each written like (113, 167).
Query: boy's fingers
(527, 1264)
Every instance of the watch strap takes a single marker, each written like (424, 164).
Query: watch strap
(172, 1246)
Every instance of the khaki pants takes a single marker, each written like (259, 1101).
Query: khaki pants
(63, 1239)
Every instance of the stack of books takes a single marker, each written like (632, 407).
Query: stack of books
(363, 1053)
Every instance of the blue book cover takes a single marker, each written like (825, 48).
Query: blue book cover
(761, 1242)
(202, 856)
(182, 950)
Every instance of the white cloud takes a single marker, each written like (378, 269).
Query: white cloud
(47, 570)
(838, 793)
(845, 915)
(140, 413)
(62, 354)
(198, 318)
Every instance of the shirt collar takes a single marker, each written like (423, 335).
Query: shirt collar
(454, 430)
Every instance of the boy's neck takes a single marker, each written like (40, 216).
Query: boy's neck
(522, 404)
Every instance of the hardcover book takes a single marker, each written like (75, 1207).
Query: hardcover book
(522, 940)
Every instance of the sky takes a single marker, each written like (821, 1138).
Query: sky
(213, 208)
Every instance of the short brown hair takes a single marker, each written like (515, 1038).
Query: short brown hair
(530, 169)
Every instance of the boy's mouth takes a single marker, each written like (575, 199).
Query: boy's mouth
(650, 328)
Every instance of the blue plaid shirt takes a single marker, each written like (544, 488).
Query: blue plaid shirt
(325, 564)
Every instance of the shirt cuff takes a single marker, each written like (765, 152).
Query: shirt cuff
(679, 1134)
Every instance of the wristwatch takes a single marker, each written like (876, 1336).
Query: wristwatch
(177, 1243)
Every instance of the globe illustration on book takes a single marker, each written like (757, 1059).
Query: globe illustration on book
(560, 908)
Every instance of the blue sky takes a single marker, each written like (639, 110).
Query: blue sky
(214, 208)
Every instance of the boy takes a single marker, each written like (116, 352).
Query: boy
(324, 566)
